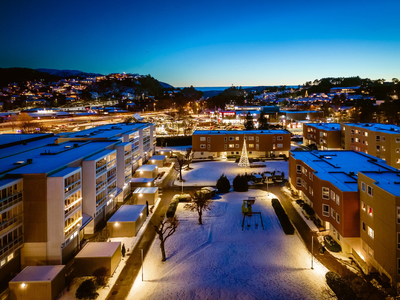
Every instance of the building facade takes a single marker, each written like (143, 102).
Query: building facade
(326, 136)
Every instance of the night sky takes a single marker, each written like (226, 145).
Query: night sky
(206, 43)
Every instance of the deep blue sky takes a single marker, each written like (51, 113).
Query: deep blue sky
(206, 43)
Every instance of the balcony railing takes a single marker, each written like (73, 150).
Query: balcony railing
(72, 188)
(101, 169)
(111, 178)
(127, 178)
(101, 201)
(112, 163)
(111, 190)
(100, 186)
(72, 208)
(10, 201)
(6, 224)
(71, 226)
(11, 247)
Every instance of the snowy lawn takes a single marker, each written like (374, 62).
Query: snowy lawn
(207, 173)
(220, 261)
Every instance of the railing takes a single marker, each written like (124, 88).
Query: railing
(98, 203)
(128, 153)
(72, 207)
(101, 169)
(127, 178)
(11, 247)
(112, 163)
(10, 200)
(111, 178)
(70, 189)
(101, 185)
(12, 221)
(70, 227)
(111, 190)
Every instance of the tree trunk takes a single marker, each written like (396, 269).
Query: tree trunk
(200, 220)
(180, 173)
(162, 251)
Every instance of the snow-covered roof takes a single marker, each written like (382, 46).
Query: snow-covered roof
(378, 127)
(325, 126)
(143, 180)
(9, 138)
(341, 167)
(158, 157)
(388, 181)
(241, 132)
(146, 190)
(146, 168)
(127, 213)
(98, 249)
(38, 273)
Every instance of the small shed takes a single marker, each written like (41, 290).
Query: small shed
(158, 160)
(141, 182)
(127, 221)
(38, 282)
(167, 153)
(147, 171)
(96, 255)
(209, 191)
(143, 194)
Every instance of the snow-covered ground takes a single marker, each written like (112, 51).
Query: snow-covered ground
(207, 173)
(220, 261)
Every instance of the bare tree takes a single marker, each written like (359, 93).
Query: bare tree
(189, 157)
(180, 163)
(198, 203)
(165, 229)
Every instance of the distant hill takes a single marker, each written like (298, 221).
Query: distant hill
(20, 75)
(166, 85)
(68, 73)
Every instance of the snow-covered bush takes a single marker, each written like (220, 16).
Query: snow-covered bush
(282, 216)
(340, 286)
(87, 290)
(223, 185)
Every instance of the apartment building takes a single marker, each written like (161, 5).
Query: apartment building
(222, 143)
(380, 222)
(342, 188)
(326, 136)
(54, 190)
(379, 140)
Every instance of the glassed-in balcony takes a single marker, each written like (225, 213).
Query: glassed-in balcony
(12, 221)
(10, 200)
(11, 247)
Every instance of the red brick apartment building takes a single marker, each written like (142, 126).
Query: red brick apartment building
(222, 143)
(327, 136)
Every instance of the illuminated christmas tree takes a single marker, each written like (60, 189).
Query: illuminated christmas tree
(244, 160)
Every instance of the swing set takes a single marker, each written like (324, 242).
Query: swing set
(247, 211)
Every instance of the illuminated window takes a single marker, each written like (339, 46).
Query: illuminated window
(237, 138)
(325, 210)
(231, 146)
(298, 169)
(370, 211)
(363, 206)
(337, 199)
(298, 181)
(370, 232)
(378, 138)
(203, 139)
(203, 146)
(325, 193)
(251, 145)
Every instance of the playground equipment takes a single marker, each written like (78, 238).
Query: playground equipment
(247, 210)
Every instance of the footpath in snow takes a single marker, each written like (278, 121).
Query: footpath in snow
(220, 261)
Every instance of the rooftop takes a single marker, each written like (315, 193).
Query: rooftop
(158, 157)
(387, 128)
(146, 190)
(127, 213)
(237, 132)
(388, 181)
(342, 166)
(147, 168)
(98, 249)
(325, 126)
(38, 273)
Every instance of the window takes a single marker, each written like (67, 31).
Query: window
(325, 210)
(333, 195)
(305, 171)
(337, 199)
(225, 147)
(370, 211)
(208, 147)
(231, 138)
(225, 139)
(337, 218)
(208, 139)
(378, 148)
(203, 146)
(370, 190)
(383, 138)
(363, 186)
(398, 240)
(201, 153)
(352, 140)
(397, 140)
(280, 145)
(231, 146)
(237, 146)
(237, 152)
(251, 145)
(298, 169)
(305, 184)
(257, 147)
(364, 246)
(370, 232)
(257, 139)
(363, 206)
(280, 138)
(232, 152)
(251, 138)
(298, 181)
(366, 133)
(352, 131)
(398, 214)
(236, 138)
(310, 190)
(310, 176)
(370, 252)
(397, 150)
(363, 226)
(325, 193)
(397, 160)
(332, 213)
(202, 139)
(378, 138)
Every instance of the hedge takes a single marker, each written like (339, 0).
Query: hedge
(172, 208)
(340, 286)
(282, 216)
(308, 209)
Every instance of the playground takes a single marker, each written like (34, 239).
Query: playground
(231, 257)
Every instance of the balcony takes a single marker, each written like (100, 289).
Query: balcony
(8, 223)
(111, 190)
(112, 178)
(101, 186)
(128, 154)
(72, 188)
(70, 209)
(11, 247)
(10, 201)
(111, 164)
(101, 169)
(71, 227)
(101, 201)
(128, 178)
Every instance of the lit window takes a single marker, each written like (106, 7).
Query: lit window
(298, 181)
(378, 138)
(333, 195)
(370, 232)
(370, 190)
(237, 146)
(337, 199)
(333, 213)
(378, 148)
(363, 206)
(298, 169)
(397, 150)
(325, 210)
(397, 160)
(311, 190)
(203, 146)
(325, 193)
(231, 146)
(370, 211)
(251, 145)
(236, 138)
(203, 139)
